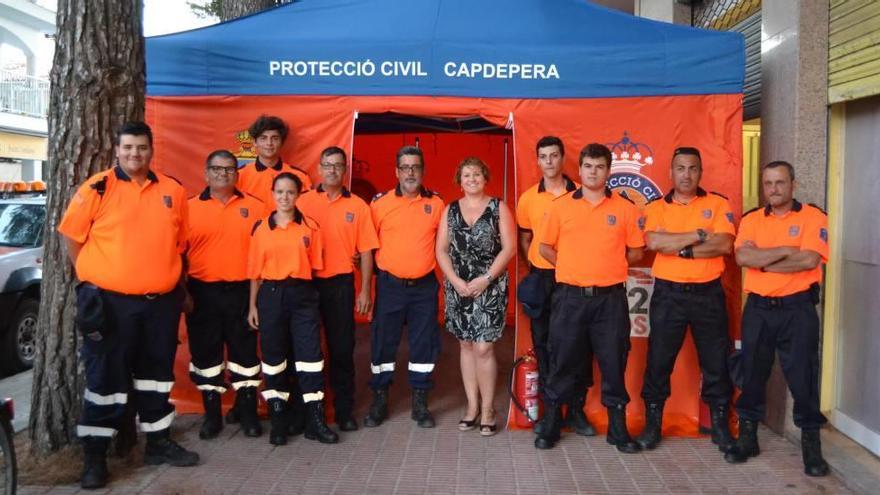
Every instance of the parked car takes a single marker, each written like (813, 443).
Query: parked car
(21, 271)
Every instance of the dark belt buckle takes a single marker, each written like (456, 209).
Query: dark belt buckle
(774, 302)
(687, 287)
(408, 282)
(588, 291)
(150, 297)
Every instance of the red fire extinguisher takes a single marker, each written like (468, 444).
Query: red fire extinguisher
(524, 390)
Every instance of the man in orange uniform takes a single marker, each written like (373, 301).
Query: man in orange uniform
(591, 236)
(347, 228)
(125, 230)
(531, 209)
(691, 231)
(406, 219)
(221, 220)
(255, 178)
(782, 246)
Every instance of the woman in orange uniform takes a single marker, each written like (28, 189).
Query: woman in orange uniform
(284, 250)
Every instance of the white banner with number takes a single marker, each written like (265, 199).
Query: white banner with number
(639, 287)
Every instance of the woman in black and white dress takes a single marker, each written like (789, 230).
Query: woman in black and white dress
(475, 242)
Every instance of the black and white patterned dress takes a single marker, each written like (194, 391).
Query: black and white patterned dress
(472, 250)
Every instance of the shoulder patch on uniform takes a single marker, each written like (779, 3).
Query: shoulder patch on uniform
(718, 194)
(818, 208)
(256, 225)
(752, 211)
(626, 198)
(100, 186)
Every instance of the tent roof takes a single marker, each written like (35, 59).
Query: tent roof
(475, 48)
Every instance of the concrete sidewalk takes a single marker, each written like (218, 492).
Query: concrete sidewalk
(400, 458)
(18, 388)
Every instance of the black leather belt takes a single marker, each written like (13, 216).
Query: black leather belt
(809, 296)
(688, 287)
(222, 284)
(409, 282)
(594, 290)
(287, 282)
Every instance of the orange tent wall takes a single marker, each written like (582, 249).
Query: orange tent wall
(188, 128)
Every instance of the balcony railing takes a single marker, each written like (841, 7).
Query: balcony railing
(23, 95)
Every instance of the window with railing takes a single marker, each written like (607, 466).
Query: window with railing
(23, 95)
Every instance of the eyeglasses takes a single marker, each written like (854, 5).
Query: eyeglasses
(222, 170)
(333, 166)
(411, 169)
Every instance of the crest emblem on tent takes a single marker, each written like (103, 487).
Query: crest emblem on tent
(245, 153)
(627, 159)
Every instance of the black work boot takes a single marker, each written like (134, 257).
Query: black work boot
(345, 420)
(246, 405)
(811, 448)
(278, 418)
(420, 413)
(552, 425)
(721, 428)
(746, 445)
(161, 449)
(618, 435)
(316, 428)
(94, 473)
(296, 417)
(378, 409)
(213, 423)
(650, 436)
(577, 420)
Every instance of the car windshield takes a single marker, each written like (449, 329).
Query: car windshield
(21, 225)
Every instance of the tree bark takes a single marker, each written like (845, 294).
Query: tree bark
(231, 9)
(97, 83)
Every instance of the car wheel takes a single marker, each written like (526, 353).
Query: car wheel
(21, 339)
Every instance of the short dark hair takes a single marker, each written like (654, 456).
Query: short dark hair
(269, 123)
(471, 161)
(550, 141)
(595, 150)
(226, 154)
(288, 175)
(334, 150)
(780, 163)
(410, 150)
(134, 128)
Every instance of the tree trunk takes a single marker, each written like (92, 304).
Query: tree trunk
(97, 84)
(231, 9)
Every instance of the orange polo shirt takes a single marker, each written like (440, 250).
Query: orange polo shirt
(132, 235)
(256, 180)
(346, 228)
(220, 235)
(803, 227)
(591, 240)
(407, 230)
(531, 209)
(710, 212)
(293, 251)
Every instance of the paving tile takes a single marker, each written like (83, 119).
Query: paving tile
(400, 458)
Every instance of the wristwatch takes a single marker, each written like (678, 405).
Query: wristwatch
(686, 252)
(703, 235)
